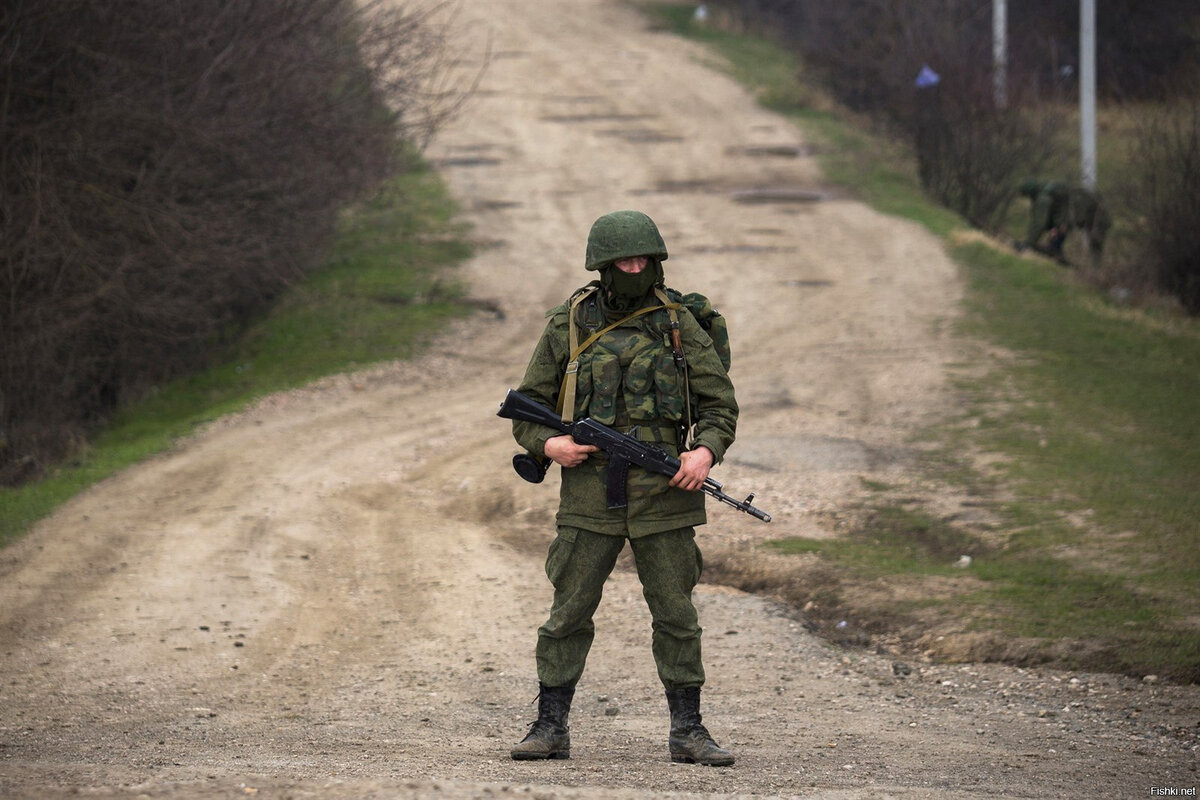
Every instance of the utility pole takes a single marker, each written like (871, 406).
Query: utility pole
(1087, 91)
(1000, 52)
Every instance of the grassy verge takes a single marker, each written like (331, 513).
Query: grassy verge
(382, 290)
(1082, 447)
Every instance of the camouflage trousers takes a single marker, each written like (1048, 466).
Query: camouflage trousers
(579, 562)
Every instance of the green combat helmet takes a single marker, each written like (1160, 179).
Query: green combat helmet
(622, 234)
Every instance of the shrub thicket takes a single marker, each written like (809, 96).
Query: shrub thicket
(972, 152)
(166, 169)
(1141, 47)
(1165, 193)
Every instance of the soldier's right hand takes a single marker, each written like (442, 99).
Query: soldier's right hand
(563, 450)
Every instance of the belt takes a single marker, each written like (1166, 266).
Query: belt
(652, 434)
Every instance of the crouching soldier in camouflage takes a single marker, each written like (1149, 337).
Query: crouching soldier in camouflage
(1057, 209)
(635, 356)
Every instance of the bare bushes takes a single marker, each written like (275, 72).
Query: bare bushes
(166, 169)
(971, 154)
(1166, 197)
(973, 149)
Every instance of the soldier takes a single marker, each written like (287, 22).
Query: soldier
(626, 373)
(1059, 208)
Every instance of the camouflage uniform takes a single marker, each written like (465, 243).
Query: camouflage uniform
(627, 379)
(1059, 208)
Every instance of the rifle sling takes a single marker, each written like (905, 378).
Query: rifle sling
(680, 360)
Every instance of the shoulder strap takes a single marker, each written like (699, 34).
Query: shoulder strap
(680, 358)
(566, 394)
(588, 342)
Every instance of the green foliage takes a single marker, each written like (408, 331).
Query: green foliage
(382, 291)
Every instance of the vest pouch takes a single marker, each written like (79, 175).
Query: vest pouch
(639, 387)
(606, 382)
(583, 387)
(668, 388)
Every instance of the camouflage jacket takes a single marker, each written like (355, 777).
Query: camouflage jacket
(1066, 206)
(628, 379)
(1049, 210)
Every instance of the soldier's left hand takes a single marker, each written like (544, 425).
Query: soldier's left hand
(693, 468)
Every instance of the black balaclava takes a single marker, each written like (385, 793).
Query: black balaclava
(625, 292)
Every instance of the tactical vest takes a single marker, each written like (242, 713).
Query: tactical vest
(635, 374)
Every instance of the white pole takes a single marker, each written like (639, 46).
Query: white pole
(1000, 51)
(1087, 91)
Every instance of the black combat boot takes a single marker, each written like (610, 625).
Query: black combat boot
(690, 741)
(548, 737)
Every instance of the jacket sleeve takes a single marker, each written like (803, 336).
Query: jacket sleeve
(716, 408)
(1039, 218)
(543, 380)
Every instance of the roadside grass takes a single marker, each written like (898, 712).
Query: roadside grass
(1090, 429)
(385, 286)
(897, 541)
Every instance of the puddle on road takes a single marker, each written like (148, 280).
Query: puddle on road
(495, 205)
(576, 98)
(641, 135)
(678, 187)
(778, 194)
(467, 161)
(741, 248)
(809, 284)
(784, 195)
(478, 147)
(772, 150)
(574, 118)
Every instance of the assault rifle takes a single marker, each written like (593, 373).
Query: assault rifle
(622, 450)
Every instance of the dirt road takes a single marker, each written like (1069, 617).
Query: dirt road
(335, 593)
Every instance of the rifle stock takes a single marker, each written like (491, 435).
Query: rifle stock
(518, 406)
